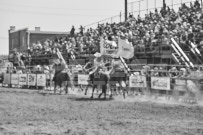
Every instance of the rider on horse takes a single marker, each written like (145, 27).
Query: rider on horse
(98, 64)
(59, 66)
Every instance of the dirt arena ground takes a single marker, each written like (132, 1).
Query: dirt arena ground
(32, 112)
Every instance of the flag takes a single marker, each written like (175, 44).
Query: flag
(125, 49)
(108, 47)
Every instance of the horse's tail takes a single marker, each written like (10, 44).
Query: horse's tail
(69, 79)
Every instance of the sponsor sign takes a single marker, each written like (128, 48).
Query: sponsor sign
(83, 79)
(31, 79)
(160, 83)
(195, 74)
(22, 79)
(41, 80)
(180, 85)
(14, 79)
(137, 81)
(7, 79)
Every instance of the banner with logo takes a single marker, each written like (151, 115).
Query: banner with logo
(41, 80)
(125, 49)
(7, 79)
(160, 83)
(83, 79)
(31, 79)
(108, 47)
(14, 79)
(195, 74)
(180, 85)
(22, 79)
(137, 81)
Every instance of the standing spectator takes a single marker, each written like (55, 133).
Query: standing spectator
(72, 32)
(81, 30)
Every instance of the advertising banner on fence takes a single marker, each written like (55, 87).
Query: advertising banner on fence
(22, 79)
(7, 79)
(195, 74)
(160, 83)
(180, 85)
(41, 80)
(108, 47)
(31, 79)
(83, 79)
(137, 81)
(14, 79)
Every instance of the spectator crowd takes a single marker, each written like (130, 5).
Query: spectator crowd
(145, 33)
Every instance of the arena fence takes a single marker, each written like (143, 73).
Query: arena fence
(145, 84)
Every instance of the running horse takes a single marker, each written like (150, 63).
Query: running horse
(112, 77)
(99, 78)
(118, 77)
(94, 78)
(61, 77)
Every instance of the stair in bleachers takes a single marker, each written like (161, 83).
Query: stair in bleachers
(196, 52)
(125, 65)
(180, 56)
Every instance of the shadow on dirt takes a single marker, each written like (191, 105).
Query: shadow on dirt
(89, 99)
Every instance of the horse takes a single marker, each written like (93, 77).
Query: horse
(86, 69)
(61, 77)
(99, 79)
(117, 76)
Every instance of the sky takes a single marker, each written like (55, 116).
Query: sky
(61, 15)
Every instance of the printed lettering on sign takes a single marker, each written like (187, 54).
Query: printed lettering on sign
(41, 80)
(109, 45)
(31, 79)
(160, 83)
(22, 79)
(14, 79)
(83, 79)
(7, 78)
(137, 81)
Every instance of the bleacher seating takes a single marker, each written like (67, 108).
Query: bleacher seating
(147, 34)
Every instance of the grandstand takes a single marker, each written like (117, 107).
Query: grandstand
(161, 37)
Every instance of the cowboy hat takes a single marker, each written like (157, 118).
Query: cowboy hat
(97, 54)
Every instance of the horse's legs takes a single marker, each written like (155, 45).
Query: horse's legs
(54, 88)
(101, 92)
(86, 89)
(93, 88)
(66, 88)
(60, 88)
(123, 90)
(104, 90)
(111, 92)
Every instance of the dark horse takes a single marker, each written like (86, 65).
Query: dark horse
(96, 79)
(112, 77)
(118, 76)
(61, 77)
(99, 79)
